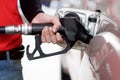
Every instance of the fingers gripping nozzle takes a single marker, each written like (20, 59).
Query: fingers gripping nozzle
(71, 30)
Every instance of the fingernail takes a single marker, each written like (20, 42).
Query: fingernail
(54, 29)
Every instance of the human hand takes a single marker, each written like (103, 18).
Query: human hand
(49, 34)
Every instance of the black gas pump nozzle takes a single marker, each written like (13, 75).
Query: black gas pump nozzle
(72, 30)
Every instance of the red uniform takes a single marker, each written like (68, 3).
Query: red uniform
(9, 15)
(11, 50)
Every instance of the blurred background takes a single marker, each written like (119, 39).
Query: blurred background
(67, 66)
